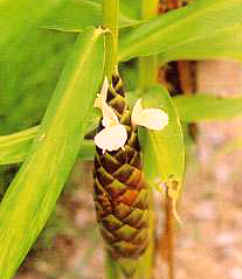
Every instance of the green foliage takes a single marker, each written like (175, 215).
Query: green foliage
(31, 60)
(30, 65)
(203, 107)
(14, 148)
(164, 151)
(73, 16)
(131, 8)
(32, 195)
(206, 29)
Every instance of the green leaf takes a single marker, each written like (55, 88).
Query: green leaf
(31, 60)
(204, 107)
(73, 16)
(206, 29)
(21, 17)
(14, 148)
(164, 151)
(32, 195)
(29, 74)
(129, 8)
(132, 9)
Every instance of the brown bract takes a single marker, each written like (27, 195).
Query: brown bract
(121, 195)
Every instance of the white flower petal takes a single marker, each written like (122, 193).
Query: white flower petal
(111, 138)
(154, 119)
(137, 110)
(109, 116)
(102, 97)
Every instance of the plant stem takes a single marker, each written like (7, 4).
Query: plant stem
(111, 20)
(148, 66)
(170, 234)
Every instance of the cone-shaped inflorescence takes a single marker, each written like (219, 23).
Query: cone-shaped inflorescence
(121, 195)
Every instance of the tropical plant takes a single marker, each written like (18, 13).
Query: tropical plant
(74, 49)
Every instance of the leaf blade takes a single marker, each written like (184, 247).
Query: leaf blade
(203, 30)
(33, 72)
(205, 107)
(32, 195)
(14, 148)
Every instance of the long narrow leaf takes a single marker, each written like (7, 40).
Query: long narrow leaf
(206, 29)
(32, 195)
(14, 148)
(203, 107)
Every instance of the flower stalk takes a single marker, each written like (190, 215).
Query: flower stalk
(110, 21)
